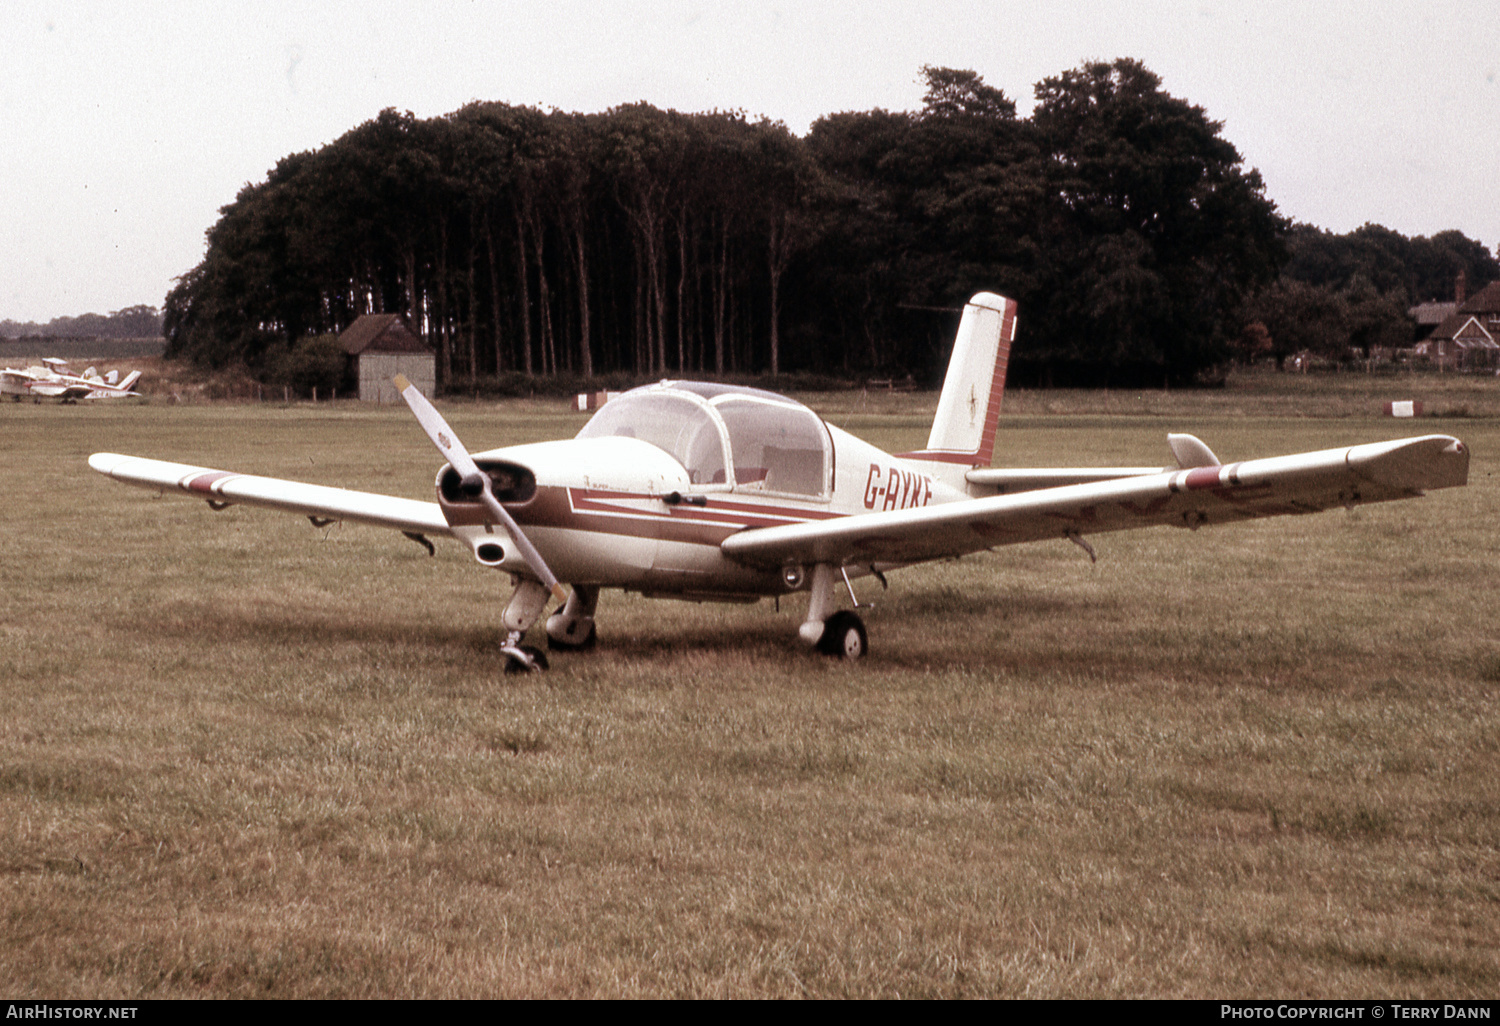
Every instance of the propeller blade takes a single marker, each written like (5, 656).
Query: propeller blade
(475, 481)
(441, 434)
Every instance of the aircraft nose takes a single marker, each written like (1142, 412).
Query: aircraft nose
(510, 482)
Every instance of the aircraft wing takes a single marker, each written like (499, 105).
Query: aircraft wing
(1303, 483)
(219, 486)
(1008, 480)
(59, 390)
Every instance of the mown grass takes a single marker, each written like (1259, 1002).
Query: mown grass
(243, 757)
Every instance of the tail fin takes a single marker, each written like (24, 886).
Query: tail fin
(963, 432)
(130, 379)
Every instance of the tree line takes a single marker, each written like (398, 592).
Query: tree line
(645, 242)
(132, 322)
(1343, 297)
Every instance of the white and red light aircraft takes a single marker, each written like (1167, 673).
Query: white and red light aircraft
(719, 493)
(53, 381)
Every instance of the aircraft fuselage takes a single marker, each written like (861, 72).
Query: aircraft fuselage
(619, 512)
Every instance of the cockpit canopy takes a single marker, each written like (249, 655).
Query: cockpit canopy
(772, 443)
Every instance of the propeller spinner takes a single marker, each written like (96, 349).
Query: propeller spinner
(474, 481)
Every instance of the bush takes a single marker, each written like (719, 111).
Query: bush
(317, 362)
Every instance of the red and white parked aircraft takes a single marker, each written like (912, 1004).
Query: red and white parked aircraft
(719, 493)
(52, 381)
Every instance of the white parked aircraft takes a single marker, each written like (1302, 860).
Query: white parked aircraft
(52, 381)
(719, 493)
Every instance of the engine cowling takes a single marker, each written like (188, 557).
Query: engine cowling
(512, 484)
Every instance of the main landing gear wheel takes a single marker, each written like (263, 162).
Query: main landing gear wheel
(561, 645)
(571, 628)
(844, 636)
(535, 661)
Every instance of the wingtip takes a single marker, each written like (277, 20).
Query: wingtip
(402, 384)
(105, 462)
(1425, 463)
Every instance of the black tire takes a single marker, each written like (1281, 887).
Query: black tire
(583, 646)
(539, 661)
(844, 636)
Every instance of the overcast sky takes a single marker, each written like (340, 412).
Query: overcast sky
(125, 126)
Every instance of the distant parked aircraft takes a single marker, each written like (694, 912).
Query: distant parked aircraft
(52, 380)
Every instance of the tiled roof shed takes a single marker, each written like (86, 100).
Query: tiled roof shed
(380, 333)
(382, 346)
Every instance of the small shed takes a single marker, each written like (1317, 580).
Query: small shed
(380, 346)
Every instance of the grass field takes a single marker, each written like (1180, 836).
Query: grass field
(243, 757)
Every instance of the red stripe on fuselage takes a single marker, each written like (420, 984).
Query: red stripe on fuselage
(714, 511)
(646, 515)
(1202, 477)
(966, 459)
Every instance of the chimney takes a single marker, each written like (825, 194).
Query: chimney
(1461, 286)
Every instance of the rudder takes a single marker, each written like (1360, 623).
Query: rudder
(968, 411)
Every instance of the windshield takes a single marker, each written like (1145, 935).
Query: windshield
(682, 425)
(777, 445)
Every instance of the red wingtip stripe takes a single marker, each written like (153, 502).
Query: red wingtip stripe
(204, 483)
(1202, 477)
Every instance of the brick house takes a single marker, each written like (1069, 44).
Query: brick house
(1469, 338)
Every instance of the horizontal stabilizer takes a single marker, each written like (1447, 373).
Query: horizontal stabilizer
(1190, 452)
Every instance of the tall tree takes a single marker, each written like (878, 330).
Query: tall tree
(1155, 232)
(785, 179)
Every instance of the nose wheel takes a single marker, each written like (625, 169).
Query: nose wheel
(524, 659)
(523, 610)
